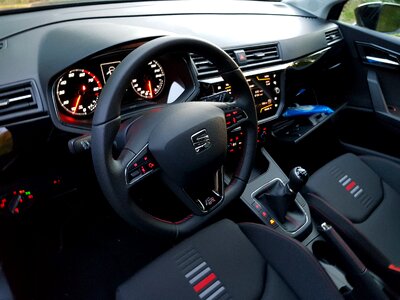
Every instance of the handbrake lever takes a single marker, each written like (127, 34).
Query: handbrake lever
(365, 286)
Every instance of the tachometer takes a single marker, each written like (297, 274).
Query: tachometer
(78, 91)
(150, 82)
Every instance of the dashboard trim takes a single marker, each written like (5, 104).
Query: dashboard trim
(274, 68)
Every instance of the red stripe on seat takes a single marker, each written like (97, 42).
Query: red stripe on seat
(350, 185)
(206, 281)
(394, 268)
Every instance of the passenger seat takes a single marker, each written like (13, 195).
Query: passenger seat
(360, 197)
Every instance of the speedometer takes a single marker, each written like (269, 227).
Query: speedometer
(151, 81)
(78, 91)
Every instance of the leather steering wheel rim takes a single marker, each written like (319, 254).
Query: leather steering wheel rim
(107, 120)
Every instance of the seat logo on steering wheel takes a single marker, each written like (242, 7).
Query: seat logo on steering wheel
(201, 141)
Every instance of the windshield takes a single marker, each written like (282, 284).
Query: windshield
(12, 5)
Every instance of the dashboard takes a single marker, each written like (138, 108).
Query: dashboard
(55, 63)
(76, 92)
(69, 60)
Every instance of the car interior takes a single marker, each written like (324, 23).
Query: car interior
(188, 149)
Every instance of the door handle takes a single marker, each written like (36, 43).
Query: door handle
(382, 61)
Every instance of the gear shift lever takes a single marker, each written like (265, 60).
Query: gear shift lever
(297, 179)
(279, 197)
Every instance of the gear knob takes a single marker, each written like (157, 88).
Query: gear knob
(298, 177)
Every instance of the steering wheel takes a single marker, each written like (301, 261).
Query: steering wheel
(186, 141)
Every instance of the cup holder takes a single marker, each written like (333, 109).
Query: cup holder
(326, 255)
(323, 252)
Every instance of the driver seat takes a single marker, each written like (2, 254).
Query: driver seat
(230, 261)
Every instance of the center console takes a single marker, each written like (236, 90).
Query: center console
(274, 199)
(296, 221)
(289, 212)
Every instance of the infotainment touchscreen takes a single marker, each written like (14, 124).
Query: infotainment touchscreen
(267, 94)
(266, 88)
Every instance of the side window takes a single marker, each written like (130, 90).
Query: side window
(379, 16)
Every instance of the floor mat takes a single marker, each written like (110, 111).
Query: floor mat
(74, 249)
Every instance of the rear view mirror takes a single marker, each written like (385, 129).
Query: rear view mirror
(383, 17)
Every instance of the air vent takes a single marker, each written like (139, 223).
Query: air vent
(204, 67)
(333, 36)
(260, 55)
(247, 57)
(18, 101)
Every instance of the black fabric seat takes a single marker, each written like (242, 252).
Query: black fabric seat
(360, 197)
(229, 261)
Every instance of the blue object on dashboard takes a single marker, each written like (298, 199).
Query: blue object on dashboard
(307, 110)
(300, 92)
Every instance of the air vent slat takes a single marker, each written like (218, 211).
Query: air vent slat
(15, 99)
(20, 98)
(255, 56)
(262, 54)
(204, 67)
(18, 101)
(333, 36)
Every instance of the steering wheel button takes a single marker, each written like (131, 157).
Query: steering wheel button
(143, 170)
(134, 174)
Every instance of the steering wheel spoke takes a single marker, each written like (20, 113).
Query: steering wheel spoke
(215, 195)
(139, 166)
(203, 197)
(234, 117)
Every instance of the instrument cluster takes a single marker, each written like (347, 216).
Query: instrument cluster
(77, 90)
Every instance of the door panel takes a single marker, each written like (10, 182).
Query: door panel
(372, 118)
